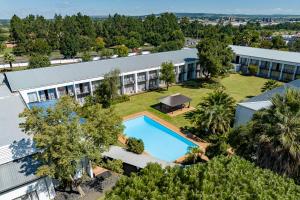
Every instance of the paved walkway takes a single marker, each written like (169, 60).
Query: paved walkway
(138, 160)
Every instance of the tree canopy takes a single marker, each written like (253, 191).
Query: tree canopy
(271, 139)
(220, 178)
(214, 57)
(215, 113)
(67, 134)
(167, 73)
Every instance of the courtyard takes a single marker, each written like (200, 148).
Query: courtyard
(238, 86)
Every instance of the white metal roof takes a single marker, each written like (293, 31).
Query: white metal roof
(258, 105)
(34, 78)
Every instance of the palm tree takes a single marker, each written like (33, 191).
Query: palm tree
(278, 134)
(269, 85)
(215, 113)
(9, 58)
(194, 153)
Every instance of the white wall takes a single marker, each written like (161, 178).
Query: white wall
(43, 186)
(243, 115)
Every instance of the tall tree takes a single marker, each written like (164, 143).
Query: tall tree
(214, 57)
(167, 73)
(9, 58)
(108, 90)
(66, 134)
(69, 45)
(215, 113)
(271, 139)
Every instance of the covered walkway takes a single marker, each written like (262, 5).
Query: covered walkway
(137, 160)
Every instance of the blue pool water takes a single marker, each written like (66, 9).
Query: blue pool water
(159, 141)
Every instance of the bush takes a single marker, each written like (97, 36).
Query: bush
(37, 61)
(114, 165)
(121, 99)
(135, 145)
(86, 56)
(105, 53)
(253, 69)
(121, 50)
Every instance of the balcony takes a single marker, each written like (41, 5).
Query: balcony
(128, 81)
(141, 78)
(153, 76)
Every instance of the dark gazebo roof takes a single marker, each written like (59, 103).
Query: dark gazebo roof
(174, 100)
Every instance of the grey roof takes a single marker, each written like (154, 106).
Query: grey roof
(17, 173)
(11, 105)
(40, 77)
(175, 100)
(138, 160)
(286, 56)
(266, 96)
(258, 105)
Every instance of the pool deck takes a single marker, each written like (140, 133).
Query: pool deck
(202, 144)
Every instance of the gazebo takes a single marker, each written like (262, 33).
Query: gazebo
(174, 102)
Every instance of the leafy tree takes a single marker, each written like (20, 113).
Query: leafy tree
(9, 58)
(69, 46)
(121, 50)
(106, 53)
(135, 145)
(99, 44)
(278, 42)
(271, 139)
(295, 45)
(39, 46)
(132, 43)
(37, 61)
(215, 113)
(266, 44)
(108, 89)
(177, 35)
(170, 46)
(114, 165)
(85, 43)
(253, 69)
(167, 73)
(153, 38)
(221, 178)
(214, 57)
(269, 85)
(66, 134)
(86, 56)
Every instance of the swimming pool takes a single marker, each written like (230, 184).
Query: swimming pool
(160, 141)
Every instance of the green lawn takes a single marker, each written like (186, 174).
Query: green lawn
(238, 86)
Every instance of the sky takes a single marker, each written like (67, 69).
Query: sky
(48, 8)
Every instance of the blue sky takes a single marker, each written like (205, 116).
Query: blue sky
(139, 7)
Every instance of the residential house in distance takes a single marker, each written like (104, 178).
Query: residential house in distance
(274, 64)
(245, 110)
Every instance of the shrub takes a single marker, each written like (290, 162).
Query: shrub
(253, 69)
(37, 61)
(135, 145)
(121, 99)
(114, 165)
(86, 56)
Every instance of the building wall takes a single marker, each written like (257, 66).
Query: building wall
(242, 115)
(275, 69)
(43, 187)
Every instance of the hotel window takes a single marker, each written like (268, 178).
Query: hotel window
(32, 97)
(95, 85)
(46, 95)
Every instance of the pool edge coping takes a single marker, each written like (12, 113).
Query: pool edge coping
(170, 126)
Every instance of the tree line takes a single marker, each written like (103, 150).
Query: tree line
(80, 33)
